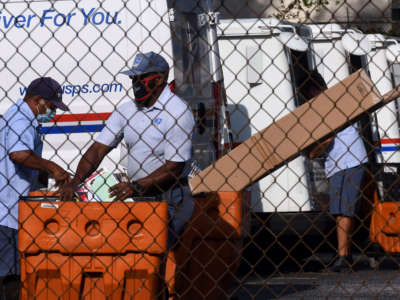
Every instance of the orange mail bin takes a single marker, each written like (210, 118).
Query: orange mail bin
(385, 225)
(91, 250)
(204, 264)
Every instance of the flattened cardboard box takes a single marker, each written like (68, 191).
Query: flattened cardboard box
(283, 140)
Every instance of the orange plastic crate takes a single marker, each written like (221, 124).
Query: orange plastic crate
(49, 276)
(204, 265)
(91, 250)
(385, 222)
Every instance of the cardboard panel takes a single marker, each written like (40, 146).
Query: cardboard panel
(283, 140)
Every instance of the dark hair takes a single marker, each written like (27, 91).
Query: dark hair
(311, 81)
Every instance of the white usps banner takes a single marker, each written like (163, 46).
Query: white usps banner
(84, 45)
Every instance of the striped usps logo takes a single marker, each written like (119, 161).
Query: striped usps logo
(75, 123)
(388, 145)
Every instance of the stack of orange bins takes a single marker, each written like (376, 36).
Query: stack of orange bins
(91, 250)
(203, 266)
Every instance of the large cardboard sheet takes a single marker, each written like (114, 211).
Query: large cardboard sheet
(336, 108)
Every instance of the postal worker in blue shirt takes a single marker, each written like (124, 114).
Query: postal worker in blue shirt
(345, 161)
(21, 162)
(157, 128)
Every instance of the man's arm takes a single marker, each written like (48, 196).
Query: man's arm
(21, 139)
(157, 182)
(162, 178)
(87, 165)
(320, 148)
(29, 159)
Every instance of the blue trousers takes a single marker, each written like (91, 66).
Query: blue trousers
(345, 191)
(180, 210)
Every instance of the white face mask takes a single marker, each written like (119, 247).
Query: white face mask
(47, 116)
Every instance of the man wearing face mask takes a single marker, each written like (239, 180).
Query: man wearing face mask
(157, 128)
(21, 162)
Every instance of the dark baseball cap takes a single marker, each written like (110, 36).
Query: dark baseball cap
(147, 63)
(49, 89)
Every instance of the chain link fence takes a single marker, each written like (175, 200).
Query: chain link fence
(261, 163)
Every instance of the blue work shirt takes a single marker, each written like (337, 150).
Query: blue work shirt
(346, 151)
(19, 131)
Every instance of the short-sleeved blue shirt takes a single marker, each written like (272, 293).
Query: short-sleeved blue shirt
(19, 131)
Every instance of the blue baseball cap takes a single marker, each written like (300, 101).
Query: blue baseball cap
(49, 89)
(145, 63)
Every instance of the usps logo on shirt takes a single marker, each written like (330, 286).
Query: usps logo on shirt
(158, 121)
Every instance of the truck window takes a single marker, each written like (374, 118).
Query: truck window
(357, 62)
(300, 65)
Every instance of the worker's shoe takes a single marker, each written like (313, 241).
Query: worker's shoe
(342, 264)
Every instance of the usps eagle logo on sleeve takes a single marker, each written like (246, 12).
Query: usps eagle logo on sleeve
(137, 61)
(158, 121)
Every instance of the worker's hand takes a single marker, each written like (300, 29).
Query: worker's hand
(320, 149)
(123, 191)
(315, 152)
(60, 175)
(67, 191)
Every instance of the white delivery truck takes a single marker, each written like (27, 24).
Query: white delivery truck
(256, 63)
(263, 61)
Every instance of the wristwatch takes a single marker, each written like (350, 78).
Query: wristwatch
(137, 188)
